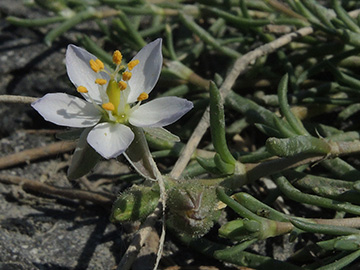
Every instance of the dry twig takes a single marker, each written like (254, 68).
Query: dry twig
(36, 153)
(36, 186)
(139, 239)
(17, 99)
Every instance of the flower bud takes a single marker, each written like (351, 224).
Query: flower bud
(192, 208)
(135, 204)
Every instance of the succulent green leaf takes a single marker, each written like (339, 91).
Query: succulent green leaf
(217, 125)
(297, 145)
(223, 167)
(236, 231)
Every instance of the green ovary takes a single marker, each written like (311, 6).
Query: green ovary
(114, 93)
(123, 117)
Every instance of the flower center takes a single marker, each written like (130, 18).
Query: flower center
(114, 97)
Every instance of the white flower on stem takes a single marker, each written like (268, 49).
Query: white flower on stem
(113, 101)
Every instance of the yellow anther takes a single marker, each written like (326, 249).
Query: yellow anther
(100, 81)
(142, 96)
(132, 64)
(122, 85)
(94, 66)
(126, 75)
(108, 106)
(82, 89)
(117, 57)
(100, 64)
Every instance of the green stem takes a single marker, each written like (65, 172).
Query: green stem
(217, 125)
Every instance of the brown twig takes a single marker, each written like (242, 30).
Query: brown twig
(94, 197)
(239, 68)
(17, 99)
(139, 239)
(36, 153)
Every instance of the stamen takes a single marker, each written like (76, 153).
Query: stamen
(108, 106)
(117, 57)
(100, 64)
(126, 75)
(100, 81)
(142, 96)
(94, 66)
(132, 64)
(122, 85)
(82, 89)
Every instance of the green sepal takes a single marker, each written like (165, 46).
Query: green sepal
(162, 134)
(134, 204)
(297, 145)
(139, 156)
(70, 135)
(217, 125)
(84, 158)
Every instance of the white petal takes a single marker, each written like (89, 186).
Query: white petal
(80, 72)
(109, 139)
(160, 112)
(66, 110)
(147, 72)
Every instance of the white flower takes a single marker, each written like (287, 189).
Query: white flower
(112, 104)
